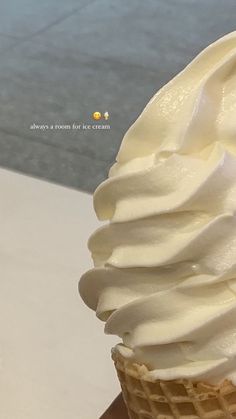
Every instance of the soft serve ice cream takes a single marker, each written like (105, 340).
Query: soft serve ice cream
(165, 266)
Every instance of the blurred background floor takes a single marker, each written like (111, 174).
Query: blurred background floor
(61, 61)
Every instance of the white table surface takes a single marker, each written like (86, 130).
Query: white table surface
(54, 358)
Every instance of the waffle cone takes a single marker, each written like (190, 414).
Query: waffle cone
(179, 399)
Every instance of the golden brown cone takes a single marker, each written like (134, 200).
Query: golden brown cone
(178, 399)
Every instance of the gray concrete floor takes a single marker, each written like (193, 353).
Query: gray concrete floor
(62, 60)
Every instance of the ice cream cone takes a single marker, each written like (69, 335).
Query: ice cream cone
(164, 279)
(179, 399)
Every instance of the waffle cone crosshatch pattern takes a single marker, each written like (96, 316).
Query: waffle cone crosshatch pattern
(177, 399)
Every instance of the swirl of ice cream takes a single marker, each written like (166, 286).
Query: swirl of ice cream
(165, 266)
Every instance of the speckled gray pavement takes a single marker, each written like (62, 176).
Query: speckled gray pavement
(63, 60)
